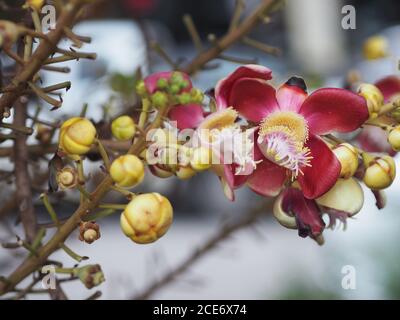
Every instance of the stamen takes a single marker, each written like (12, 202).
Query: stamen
(282, 137)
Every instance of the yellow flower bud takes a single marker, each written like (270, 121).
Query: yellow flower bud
(380, 173)
(375, 47)
(123, 128)
(127, 171)
(201, 159)
(67, 178)
(185, 173)
(76, 136)
(35, 4)
(394, 138)
(147, 218)
(373, 96)
(348, 158)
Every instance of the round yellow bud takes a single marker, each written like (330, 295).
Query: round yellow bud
(185, 173)
(201, 159)
(394, 138)
(147, 218)
(373, 96)
(123, 128)
(76, 136)
(127, 171)
(380, 173)
(375, 47)
(348, 158)
(35, 4)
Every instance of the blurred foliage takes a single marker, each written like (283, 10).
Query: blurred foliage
(125, 84)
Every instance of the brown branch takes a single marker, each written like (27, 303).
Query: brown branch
(22, 179)
(45, 50)
(225, 232)
(33, 262)
(38, 150)
(234, 35)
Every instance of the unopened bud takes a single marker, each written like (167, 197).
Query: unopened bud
(159, 99)
(127, 171)
(185, 173)
(123, 128)
(76, 136)
(89, 231)
(348, 158)
(201, 159)
(35, 4)
(141, 89)
(394, 138)
(380, 172)
(375, 47)
(90, 275)
(373, 96)
(147, 218)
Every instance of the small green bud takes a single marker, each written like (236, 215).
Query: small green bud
(162, 83)
(141, 88)
(177, 78)
(175, 88)
(159, 99)
(184, 98)
(184, 84)
(197, 95)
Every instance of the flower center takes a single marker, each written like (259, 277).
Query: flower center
(282, 137)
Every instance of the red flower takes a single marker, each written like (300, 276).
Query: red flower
(290, 123)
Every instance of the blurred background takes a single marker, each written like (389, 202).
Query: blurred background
(265, 261)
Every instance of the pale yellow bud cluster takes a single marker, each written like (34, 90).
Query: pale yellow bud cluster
(147, 218)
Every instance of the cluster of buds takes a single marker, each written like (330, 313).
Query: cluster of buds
(168, 89)
(89, 231)
(123, 128)
(77, 136)
(147, 218)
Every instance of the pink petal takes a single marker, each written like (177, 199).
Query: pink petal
(332, 109)
(224, 86)
(234, 181)
(187, 116)
(324, 171)
(268, 179)
(389, 86)
(374, 139)
(307, 213)
(254, 99)
(290, 98)
(151, 81)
